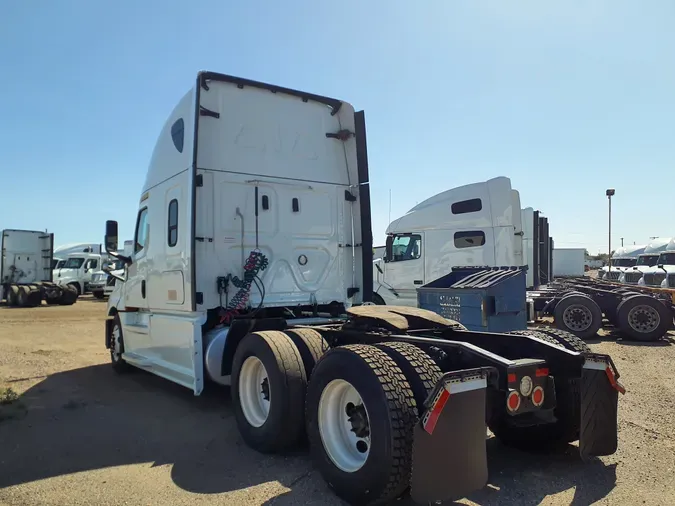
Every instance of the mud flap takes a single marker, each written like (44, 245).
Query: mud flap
(449, 454)
(599, 406)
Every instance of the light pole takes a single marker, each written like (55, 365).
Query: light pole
(610, 193)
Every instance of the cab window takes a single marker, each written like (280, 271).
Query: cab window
(141, 234)
(406, 247)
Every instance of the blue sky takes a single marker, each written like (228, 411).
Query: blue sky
(566, 98)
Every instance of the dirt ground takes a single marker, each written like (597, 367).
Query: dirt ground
(79, 434)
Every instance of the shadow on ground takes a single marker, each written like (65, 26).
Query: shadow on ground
(92, 418)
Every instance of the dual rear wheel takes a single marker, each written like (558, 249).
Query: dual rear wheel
(357, 410)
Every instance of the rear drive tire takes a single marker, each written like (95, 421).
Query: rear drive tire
(419, 369)
(643, 318)
(68, 296)
(10, 296)
(545, 437)
(579, 315)
(361, 387)
(566, 339)
(311, 346)
(22, 296)
(268, 391)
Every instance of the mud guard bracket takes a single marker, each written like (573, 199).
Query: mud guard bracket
(449, 453)
(600, 390)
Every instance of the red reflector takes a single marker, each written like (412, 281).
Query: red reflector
(512, 377)
(542, 372)
(430, 423)
(513, 401)
(538, 396)
(613, 381)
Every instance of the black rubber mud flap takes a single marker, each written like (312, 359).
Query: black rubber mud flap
(449, 454)
(599, 406)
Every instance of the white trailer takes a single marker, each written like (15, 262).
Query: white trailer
(252, 254)
(569, 262)
(26, 270)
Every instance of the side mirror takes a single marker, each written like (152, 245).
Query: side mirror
(388, 248)
(111, 236)
(660, 266)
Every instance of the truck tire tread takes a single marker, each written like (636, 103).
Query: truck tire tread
(566, 339)
(310, 344)
(363, 486)
(284, 426)
(418, 367)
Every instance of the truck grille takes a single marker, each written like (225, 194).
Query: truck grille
(613, 275)
(110, 281)
(671, 280)
(654, 279)
(633, 277)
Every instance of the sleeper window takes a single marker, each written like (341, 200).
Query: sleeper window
(172, 232)
(469, 239)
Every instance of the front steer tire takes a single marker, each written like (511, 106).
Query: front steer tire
(392, 414)
(283, 427)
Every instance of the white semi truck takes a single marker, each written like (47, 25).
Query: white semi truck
(476, 224)
(623, 259)
(479, 224)
(78, 270)
(26, 270)
(252, 255)
(662, 274)
(649, 258)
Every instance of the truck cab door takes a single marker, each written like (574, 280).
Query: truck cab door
(137, 271)
(404, 270)
(135, 317)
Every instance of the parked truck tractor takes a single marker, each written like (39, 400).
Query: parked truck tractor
(251, 264)
(649, 258)
(623, 259)
(662, 274)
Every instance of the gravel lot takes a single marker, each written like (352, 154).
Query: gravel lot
(80, 435)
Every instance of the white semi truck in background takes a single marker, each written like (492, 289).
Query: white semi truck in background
(480, 224)
(645, 260)
(79, 269)
(472, 225)
(623, 259)
(252, 256)
(662, 274)
(26, 270)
